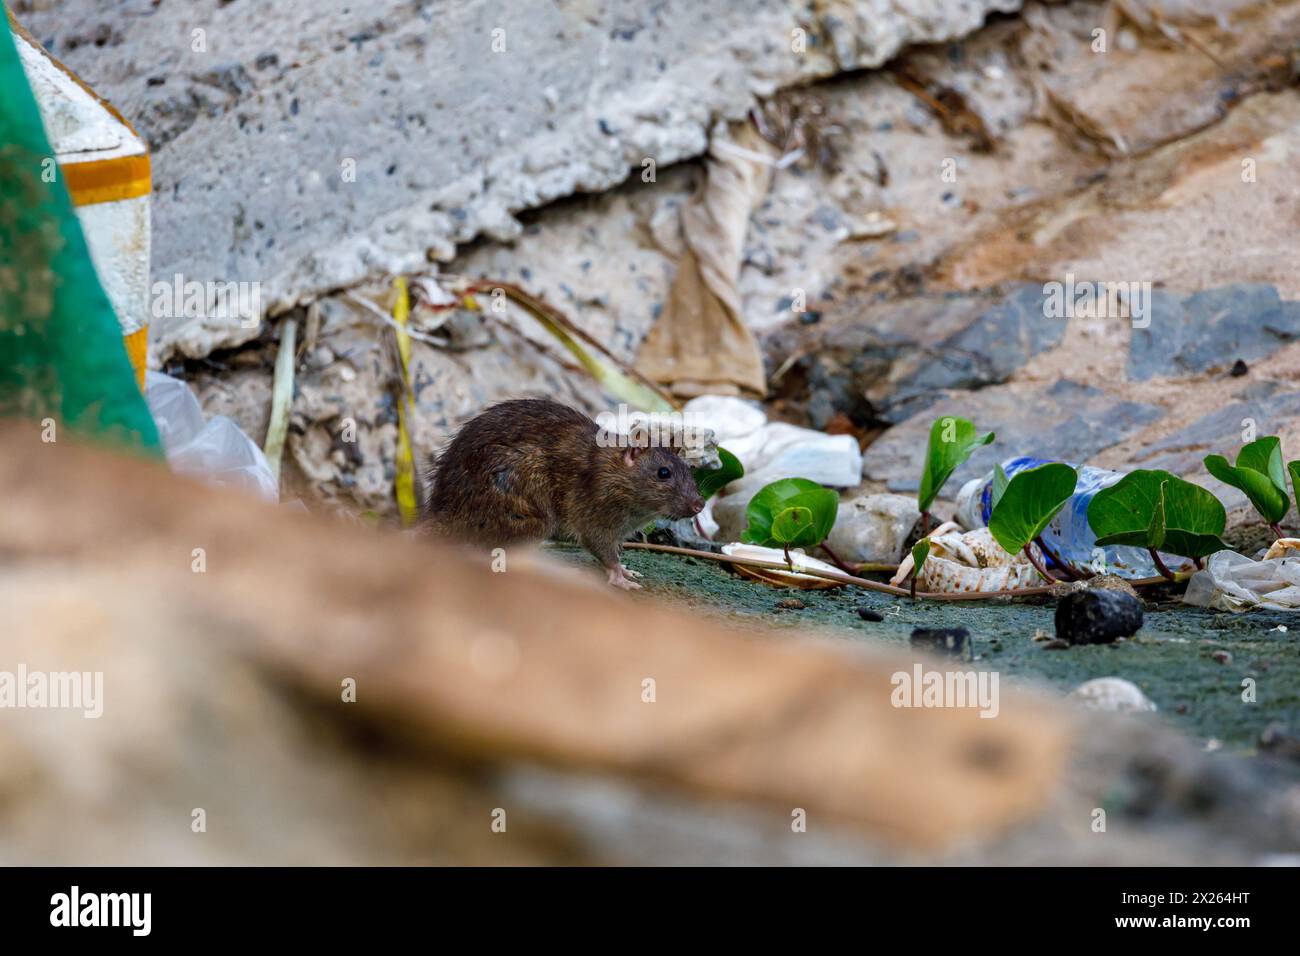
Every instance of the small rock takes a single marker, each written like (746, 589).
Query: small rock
(945, 641)
(791, 604)
(1239, 368)
(869, 615)
(1276, 740)
(1114, 694)
(873, 528)
(875, 224)
(1223, 657)
(1097, 617)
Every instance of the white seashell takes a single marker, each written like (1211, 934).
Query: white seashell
(1113, 694)
(969, 562)
(1283, 548)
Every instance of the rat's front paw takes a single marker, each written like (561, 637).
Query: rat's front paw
(629, 572)
(619, 579)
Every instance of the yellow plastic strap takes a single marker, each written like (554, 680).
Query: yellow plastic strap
(407, 506)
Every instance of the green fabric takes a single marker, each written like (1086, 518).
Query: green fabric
(61, 351)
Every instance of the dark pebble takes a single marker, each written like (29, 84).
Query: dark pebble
(869, 615)
(1276, 740)
(1097, 617)
(944, 641)
(1239, 368)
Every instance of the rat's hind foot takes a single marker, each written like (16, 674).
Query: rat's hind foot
(619, 579)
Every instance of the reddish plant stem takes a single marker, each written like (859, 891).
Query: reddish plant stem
(1160, 565)
(1277, 530)
(1068, 569)
(835, 560)
(1037, 567)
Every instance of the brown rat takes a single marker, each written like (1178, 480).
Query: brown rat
(531, 469)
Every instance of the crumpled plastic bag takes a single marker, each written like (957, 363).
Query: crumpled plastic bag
(1234, 582)
(214, 451)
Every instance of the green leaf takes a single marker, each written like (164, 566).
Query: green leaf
(1264, 455)
(920, 552)
(1147, 505)
(1000, 481)
(1258, 474)
(1156, 530)
(792, 526)
(1029, 502)
(1294, 468)
(770, 524)
(952, 440)
(709, 481)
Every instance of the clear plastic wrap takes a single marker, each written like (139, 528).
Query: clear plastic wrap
(1234, 582)
(214, 451)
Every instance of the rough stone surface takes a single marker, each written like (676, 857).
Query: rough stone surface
(910, 352)
(1065, 420)
(453, 116)
(1211, 330)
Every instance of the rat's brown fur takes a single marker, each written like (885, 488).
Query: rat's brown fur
(532, 469)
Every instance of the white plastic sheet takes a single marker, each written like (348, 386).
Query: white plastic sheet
(214, 451)
(1234, 582)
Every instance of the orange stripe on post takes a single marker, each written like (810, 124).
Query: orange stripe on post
(137, 350)
(108, 180)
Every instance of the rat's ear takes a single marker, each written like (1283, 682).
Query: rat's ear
(631, 453)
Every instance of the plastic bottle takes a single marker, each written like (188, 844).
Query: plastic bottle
(1068, 535)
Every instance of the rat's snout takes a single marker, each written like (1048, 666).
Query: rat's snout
(684, 507)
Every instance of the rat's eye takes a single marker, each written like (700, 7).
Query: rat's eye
(665, 474)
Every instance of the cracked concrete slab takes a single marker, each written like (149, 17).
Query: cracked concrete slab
(310, 145)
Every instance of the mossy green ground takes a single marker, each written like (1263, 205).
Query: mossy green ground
(1171, 658)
